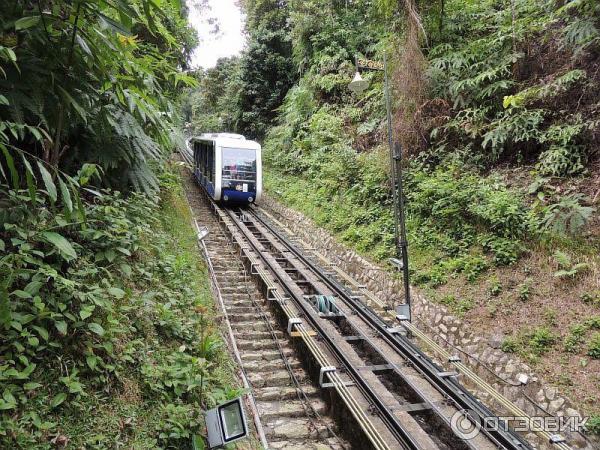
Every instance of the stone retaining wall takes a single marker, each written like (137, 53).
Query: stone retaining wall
(481, 353)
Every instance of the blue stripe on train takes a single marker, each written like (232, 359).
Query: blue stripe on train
(234, 196)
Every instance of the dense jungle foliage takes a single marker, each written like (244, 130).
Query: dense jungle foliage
(99, 268)
(496, 105)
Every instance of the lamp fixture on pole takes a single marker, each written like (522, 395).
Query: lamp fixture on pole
(358, 85)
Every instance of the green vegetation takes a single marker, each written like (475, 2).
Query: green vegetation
(459, 307)
(107, 334)
(593, 424)
(525, 290)
(566, 266)
(89, 83)
(485, 107)
(104, 308)
(531, 344)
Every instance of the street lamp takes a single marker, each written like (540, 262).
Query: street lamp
(358, 85)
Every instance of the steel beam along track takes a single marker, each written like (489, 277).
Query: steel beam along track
(392, 422)
(446, 385)
(338, 383)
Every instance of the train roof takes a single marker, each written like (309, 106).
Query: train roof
(227, 140)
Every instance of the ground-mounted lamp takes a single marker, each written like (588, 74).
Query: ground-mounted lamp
(358, 85)
(226, 423)
(201, 231)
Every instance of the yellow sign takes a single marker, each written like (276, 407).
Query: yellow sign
(369, 64)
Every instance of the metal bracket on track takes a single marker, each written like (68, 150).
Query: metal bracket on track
(330, 369)
(291, 322)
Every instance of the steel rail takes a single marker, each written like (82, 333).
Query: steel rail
(385, 413)
(338, 383)
(460, 366)
(446, 386)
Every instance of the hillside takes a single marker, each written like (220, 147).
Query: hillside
(496, 105)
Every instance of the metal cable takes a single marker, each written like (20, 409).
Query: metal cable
(462, 368)
(302, 397)
(337, 382)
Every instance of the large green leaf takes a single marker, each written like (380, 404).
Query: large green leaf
(30, 177)
(113, 25)
(96, 328)
(84, 46)
(41, 331)
(63, 245)
(76, 106)
(58, 399)
(47, 178)
(61, 326)
(26, 22)
(10, 162)
(66, 196)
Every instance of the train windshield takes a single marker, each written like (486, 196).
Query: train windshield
(239, 165)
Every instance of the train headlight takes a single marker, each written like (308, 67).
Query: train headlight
(225, 198)
(250, 199)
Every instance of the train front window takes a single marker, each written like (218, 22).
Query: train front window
(239, 169)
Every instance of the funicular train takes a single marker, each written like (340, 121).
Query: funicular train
(228, 166)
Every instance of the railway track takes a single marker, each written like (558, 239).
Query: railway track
(290, 409)
(315, 355)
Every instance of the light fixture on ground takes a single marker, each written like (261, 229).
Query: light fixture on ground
(358, 85)
(201, 231)
(226, 423)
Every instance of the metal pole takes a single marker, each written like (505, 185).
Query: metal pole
(403, 241)
(388, 106)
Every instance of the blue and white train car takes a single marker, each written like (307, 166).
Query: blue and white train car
(228, 166)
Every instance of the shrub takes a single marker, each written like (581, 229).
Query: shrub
(525, 290)
(567, 269)
(591, 298)
(458, 306)
(575, 337)
(505, 251)
(495, 286)
(510, 345)
(594, 346)
(593, 424)
(111, 299)
(541, 340)
(562, 161)
(568, 215)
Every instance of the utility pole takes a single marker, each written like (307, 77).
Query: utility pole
(400, 261)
